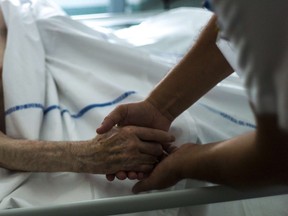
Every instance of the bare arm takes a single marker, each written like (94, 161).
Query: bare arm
(28, 155)
(254, 159)
(120, 149)
(250, 160)
(199, 71)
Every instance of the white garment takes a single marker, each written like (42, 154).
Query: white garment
(259, 32)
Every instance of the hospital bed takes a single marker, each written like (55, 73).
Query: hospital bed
(148, 202)
(190, 198)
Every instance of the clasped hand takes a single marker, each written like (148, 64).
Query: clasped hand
(129, 148)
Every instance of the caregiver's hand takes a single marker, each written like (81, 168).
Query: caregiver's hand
(170, 170)
(132, 175)
(143, 114)
(128, 148)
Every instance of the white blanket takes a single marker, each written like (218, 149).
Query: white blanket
(60, 80)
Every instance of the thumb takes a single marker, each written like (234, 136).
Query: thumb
(107, 124)
(144, 185)
(161, 177)
(155, 181)
(115, 117)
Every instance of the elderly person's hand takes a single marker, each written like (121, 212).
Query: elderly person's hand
(143, 113)
(128, 148)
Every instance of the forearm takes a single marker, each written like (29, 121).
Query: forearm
(120, 149)
(229, 162)
(38, 156)
(27, 155)
(200, 70)
(241, 161)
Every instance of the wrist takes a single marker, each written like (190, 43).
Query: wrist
(76, 153)
(195, 161)
(186, 162)
(85, 157)
(162, 105)
(45, 156)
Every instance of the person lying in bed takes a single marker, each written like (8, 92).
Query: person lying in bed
(127, 148)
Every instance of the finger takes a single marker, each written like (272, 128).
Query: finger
(116, 116)
(107, 124)
(139, 176)
(140, 162)
(161, 177)
(142, 175)
(169, 148)
(121, 175)
(151, 148)
(156, 149)
(132, 175)
(150, 134)
(140, 168)
(145, 185)
(157, 180)
(110, 177)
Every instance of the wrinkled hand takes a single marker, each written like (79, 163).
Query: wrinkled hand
(122, 175)
(140, 114)
(128, 148)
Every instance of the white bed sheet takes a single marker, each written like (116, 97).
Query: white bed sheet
(75, 75)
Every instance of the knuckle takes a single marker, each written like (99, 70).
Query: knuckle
(129, 130)
(109, 118)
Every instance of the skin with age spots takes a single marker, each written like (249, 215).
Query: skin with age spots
(119, 149)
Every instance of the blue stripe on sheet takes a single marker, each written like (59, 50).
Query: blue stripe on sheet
(229, 117)
(57, 107)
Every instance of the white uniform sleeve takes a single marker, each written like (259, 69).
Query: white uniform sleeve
(258, 30)
(228, 51)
